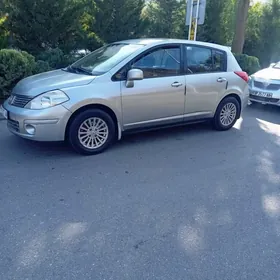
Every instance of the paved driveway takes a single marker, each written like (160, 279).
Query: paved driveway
(183, 203)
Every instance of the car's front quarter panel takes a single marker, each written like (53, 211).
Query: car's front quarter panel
(102, 91)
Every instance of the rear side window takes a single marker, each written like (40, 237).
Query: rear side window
(219, 61)
(201, 60)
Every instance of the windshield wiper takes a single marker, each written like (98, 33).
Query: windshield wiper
(78, 70)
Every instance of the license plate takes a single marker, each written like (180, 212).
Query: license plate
(262, 94)
(3, 112)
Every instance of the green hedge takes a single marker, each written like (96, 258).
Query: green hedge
(14, 65)
(56, 58)
(250, 64)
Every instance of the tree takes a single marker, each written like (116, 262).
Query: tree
(253, 37)
(113, 20)
(3, 32)
(218, 22)
(270, 33)
(36, 25)
(240, 25)
(166, 18)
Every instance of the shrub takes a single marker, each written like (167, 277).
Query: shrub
(56, 58)
(250, 64)
(14, 66)
(41, 66)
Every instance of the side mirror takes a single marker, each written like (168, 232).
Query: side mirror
(134, 75)
(272, 64)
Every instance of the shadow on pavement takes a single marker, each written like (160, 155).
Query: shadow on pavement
(181, 203)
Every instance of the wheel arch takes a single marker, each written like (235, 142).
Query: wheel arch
(102, 107)
(237, 97)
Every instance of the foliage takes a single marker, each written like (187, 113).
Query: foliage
(112, 20)
(165, 18)
(14, 65)
(3, 32)
(37, 25)
(218, 26)
(41, 66)
(249, 64)
(56, 58)
(53, 30)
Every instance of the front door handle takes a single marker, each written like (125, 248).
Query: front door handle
(176, 84)
(221, 80)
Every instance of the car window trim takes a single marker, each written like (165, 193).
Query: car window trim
(185, 62)
(152, 49)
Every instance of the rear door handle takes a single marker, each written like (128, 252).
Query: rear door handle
(176, 84)
(221, 80)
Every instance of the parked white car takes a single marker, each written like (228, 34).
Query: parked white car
(264, 85)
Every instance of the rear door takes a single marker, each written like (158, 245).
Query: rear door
(206, 79)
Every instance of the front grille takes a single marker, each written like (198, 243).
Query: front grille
(20, 100)
(268, 87)
(264, 99)
(13, 125)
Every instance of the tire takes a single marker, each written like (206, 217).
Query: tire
(84, 135)
(229, 104)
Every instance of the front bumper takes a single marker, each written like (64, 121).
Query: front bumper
(274, 99)
(39, 125)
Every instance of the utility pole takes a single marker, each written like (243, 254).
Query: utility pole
(195, 16)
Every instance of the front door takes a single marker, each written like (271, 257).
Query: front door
(206, 80)
(158, 98)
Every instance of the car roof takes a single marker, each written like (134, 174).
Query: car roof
(155, 41)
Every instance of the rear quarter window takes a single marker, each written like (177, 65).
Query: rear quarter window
(200, 59)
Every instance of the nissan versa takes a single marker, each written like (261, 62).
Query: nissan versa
(129, 86)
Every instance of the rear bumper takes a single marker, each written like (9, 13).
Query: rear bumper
(39, 125)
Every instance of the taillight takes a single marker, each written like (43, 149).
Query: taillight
(243, 75)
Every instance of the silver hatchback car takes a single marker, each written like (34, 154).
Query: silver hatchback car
(129, 86)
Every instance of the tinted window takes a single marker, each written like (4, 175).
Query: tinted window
(204, 60)
(162, 62)
(219, 61)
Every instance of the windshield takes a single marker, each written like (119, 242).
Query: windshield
(105, 58)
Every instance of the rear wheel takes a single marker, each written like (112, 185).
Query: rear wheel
(91, 132)
(227, 113)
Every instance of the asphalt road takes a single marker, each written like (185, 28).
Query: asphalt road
(182, 203)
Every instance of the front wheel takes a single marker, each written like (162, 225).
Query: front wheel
(91, 132)
(226, 114)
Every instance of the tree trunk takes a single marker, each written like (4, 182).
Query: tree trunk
(240, 26)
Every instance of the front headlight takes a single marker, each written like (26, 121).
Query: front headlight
(47, 100)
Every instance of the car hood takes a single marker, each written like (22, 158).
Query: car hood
(268, 74)
(52, 80)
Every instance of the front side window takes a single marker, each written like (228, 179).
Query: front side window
(161, 62)
(204, 60)
(105, 58)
